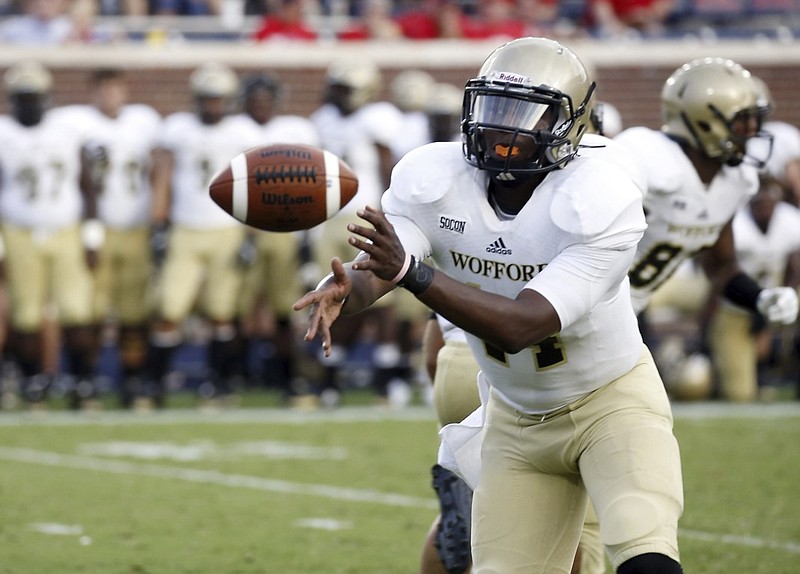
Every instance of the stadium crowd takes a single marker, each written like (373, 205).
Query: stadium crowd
(98, 21)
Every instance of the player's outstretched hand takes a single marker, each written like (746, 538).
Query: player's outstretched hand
(778, 305)
(386, 254)
(326, 304)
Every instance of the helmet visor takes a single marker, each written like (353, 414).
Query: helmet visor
(508, 112)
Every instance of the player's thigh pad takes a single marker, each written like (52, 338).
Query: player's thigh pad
(122, 284)
(223, 275)
(71, 279)
(26, 277)
(276, 273)
(182, 275)
(733, 350)
(630, 464)
(455, 386)
(529, 504)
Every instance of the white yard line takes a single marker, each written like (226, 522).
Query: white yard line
(59, 460)
(699, 410)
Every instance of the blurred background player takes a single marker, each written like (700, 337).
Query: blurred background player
(698, 174)
(122, 137)
(273, 261)
(47, 257)
(767, 234)
(200, 271)
(411, 90)
(361, 131)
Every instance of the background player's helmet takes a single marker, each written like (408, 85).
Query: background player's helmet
(361, 80)
(214, 80)
(518, 83)
(412, 89)
(28, 78)
(28, 85)
(701, 100)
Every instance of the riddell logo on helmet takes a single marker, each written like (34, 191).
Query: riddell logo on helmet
(508, 77)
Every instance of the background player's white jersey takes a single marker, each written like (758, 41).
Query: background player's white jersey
(763, 255)
(353, 139)
(125, 195)
(585, 217)
(200, 152)
(290, 129)
(416, 131)
(684, 215)
(39, 167)
(785, 148)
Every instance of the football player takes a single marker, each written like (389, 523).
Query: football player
(273, 277)
(574, 406)
(121, 138)
(699, 172)
(767, 233)
(360, 130)
(47, 250)
(200, 270)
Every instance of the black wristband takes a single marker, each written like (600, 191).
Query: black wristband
(742, 290)
(418, 277)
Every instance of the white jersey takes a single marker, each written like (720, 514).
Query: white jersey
(125, 195)
(353, 138)
(785, 148)
(761, 255)
(200, 152)
(572, 242)
(290, 129)
(684, 215)
(416, 131)
(40, 169)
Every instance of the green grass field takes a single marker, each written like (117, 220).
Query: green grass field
(260, 490)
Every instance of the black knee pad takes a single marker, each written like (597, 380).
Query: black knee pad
(650, 563)
(453, 535)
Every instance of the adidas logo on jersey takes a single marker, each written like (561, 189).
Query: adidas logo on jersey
(499, 247)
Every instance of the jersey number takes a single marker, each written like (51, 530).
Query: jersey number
(651, 268)
(547, 353)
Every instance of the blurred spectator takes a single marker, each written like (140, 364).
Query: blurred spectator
(543, 18)
(615, 18)
(185, 7)
(122, 7)
(255, 7)
(85, 27)
(40, 22)
(494, 19)
(285, 21)
(431, 19)
(8, 8)
(376, 23)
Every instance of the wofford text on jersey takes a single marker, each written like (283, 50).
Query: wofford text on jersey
(496, 269)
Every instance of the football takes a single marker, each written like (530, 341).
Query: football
(284, 187)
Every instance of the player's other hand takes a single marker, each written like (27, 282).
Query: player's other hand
(326, 304)
(778, 305)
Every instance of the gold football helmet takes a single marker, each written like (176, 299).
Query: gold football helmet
(703, 99)
(518, 84)
(28, 78)
(214, 80)
(362, 79)
(411, 90)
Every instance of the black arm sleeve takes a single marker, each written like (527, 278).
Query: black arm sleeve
(742, 290)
